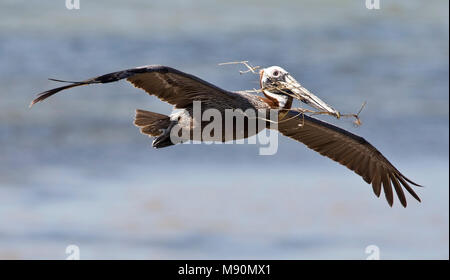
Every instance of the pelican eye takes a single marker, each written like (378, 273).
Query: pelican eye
(275, 73)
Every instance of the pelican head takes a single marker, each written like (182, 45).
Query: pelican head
(276, 83)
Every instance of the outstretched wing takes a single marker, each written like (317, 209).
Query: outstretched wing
(348, 149)
(168, 84)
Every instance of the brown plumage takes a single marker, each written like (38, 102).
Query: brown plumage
(350, 150)
(181, 90)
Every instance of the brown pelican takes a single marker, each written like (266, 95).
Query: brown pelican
(181, 90)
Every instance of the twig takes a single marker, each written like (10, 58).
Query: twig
(357, 122)
(245, 63)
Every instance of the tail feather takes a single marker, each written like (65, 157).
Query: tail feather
(150, 123)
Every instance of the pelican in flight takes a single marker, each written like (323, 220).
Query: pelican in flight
(181, 90)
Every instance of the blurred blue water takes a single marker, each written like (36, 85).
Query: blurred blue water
(74, 170)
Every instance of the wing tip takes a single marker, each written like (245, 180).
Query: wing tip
(46, 94)
(40, 97)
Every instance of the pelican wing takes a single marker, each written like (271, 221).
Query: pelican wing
(348, 149)
(168, 84)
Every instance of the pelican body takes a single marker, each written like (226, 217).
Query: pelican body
(182, 90)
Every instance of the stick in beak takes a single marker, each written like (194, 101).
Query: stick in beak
(306, 96)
